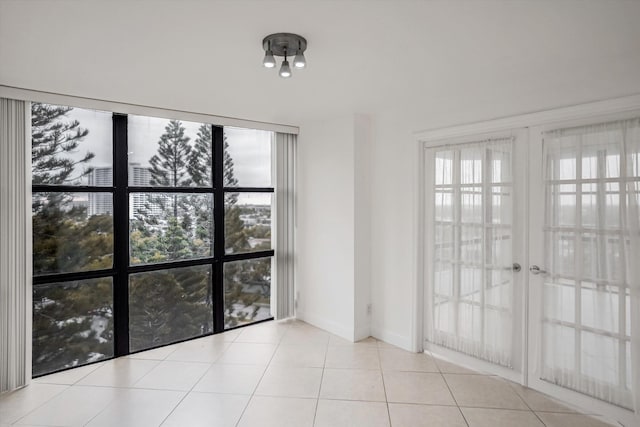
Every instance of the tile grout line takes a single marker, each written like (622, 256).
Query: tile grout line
(164, 359)
(187, 393)
(262, 376)
(526, 404)
(67, 387)
(450, 392)
(324, 366)
(384, 387)
(140, 379)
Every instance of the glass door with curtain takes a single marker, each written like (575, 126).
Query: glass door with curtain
(585, 261)
(471, 282)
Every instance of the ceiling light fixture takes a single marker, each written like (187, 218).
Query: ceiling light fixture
(269, 61)
(282, 44)
(299, 61)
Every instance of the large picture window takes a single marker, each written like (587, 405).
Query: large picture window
(146, 231)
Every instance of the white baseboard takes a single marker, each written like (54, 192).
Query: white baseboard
(326, 324)
(362, 333)
(392, 338)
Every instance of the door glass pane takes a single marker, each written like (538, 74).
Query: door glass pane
(472, 279)
(586, 231)
(170, 227)
(169, 153)
(247, 157)
(72, 324)
(247, 291)
(72, 232)
(170, 305)
(247, 222)
(71, 146)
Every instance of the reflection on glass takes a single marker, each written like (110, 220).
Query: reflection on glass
(166, 306)
(72, 324)
(247, 157)
(169, 153)
(247, 222)
(71, 146)
(169, 227)
(247, 291)
(72, 232)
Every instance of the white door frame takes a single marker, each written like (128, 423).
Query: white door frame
(580, 113)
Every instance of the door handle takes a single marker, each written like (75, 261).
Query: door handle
(534, 269)
(515, 268)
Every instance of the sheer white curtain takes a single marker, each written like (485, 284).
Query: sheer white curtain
(591, 301)
(471, 281)
(15, 244)
(285, 152)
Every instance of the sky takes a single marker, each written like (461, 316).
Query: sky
(250, 149)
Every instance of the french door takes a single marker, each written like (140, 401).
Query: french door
(474, 251)
(585, 255)
(562, 202)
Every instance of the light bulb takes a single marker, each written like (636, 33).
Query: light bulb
(285, 71)
(299, 61)
(269, 61)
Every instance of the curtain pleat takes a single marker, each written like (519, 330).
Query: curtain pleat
(285, 224)
(15, 244)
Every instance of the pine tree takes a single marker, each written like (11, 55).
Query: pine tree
(52, 138)
(201, 159)
(169, 166)
(66, 240)
(234, 232)
(200, 169)
(173, 304)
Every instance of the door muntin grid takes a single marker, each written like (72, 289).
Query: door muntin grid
(586, 293)
(472, 249)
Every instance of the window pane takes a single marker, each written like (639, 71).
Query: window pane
(170, 227)
(72, 232)
(247, 157)
(72, 324)
(247, 222)
(169, 153)
(443, 168)
(71, 146)
(169, 305)
(247, 291)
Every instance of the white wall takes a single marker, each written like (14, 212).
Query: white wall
(334, 225)
(325, 229)
(393, 234)
(363, 144)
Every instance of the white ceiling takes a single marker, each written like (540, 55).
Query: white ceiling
(436, 62)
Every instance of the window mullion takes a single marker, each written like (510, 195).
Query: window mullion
(218, 228)
(120, 236)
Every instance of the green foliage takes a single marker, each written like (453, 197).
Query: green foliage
(200, 164)
(164, 306)
(169, 305)
(72, 321)
(52, 138)
(247, 289)
(169, 166)
(63, 317)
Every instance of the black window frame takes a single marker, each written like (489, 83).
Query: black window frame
(122, 269)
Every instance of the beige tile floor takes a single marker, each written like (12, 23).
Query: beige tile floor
(281, 374)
